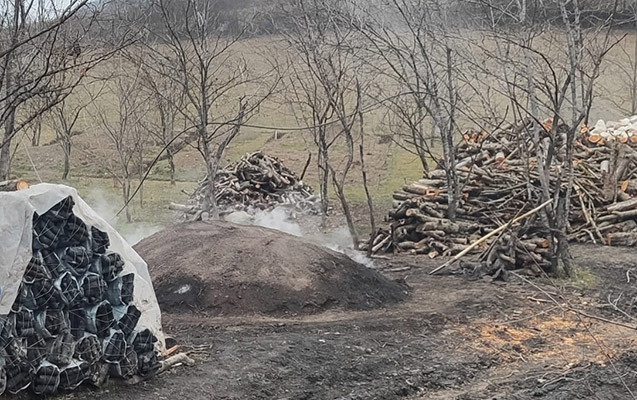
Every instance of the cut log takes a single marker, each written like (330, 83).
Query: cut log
(623, 206)
(13, 185)
(182, 208)
(622, 239)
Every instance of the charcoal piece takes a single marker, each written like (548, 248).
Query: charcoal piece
(127, 367)
(96, 265)
(60, 350)
(148, 363)
(7, 327)
(112, 264)
(23, 322)
(76, 259)
(98, 374)
(75, 233)
(35, 271)
(50, 323)
(93, 287)
(45, 295)
(114, 347)
(127, 318)
(16, 354)
(52, 261)
(142, 341)
(100, 319)
(120, 290)
(23, 299)
(46, 379)
(47, 233)
(69, 288)
(3, 380)
(77, 321)
(99, 241)
(72, 375)
(18, 378)
(36, 350)
(88, 349)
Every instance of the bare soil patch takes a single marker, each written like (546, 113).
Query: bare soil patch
(229, 269)
(454, 338)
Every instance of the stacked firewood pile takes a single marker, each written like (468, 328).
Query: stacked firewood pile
(495, 171)
(255, 182)
(74, 319)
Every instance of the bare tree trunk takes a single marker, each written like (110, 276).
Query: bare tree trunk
(9, 87)
(5, 152)
(210, 197)
(171, 164)
(633, 88)
(66, 147)
(140, 192)
(37, 132)
(126, 193)
(323, 170)
(339, 184)
(9, 125)
(446, 127)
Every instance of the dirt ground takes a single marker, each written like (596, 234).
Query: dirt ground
(456, 338)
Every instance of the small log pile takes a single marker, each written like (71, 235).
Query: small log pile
(74, 319)
(623, 131)
(494, 172)
(255, 182)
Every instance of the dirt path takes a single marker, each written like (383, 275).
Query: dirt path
(455, 339)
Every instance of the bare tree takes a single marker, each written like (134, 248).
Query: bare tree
(45, 53)
(168, 102)
(122, 124)
(412, 45)
(31, 56)
(197, 54)
(327, 88)
(63, 118)
(624, 68)
(554, 64)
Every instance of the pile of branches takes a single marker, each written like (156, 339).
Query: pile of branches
(499, 181)
(74, 319)
(255, 182)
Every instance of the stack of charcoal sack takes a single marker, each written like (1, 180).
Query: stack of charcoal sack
(74, 320)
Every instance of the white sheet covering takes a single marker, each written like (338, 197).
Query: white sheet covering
(16, 220)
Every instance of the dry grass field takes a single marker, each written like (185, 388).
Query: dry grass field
(389, 165)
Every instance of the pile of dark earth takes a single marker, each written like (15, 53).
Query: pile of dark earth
(229, 269)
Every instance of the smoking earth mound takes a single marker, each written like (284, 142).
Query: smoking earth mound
(234, 270)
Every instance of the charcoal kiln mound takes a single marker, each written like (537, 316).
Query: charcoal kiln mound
(231, 269)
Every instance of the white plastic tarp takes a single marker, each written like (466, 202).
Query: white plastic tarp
(16, 226)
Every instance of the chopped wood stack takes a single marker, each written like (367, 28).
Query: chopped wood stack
(74, 319)
(494, 171)
(256, 181)
(623, 131)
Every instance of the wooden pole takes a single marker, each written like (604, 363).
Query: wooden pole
(487, 236)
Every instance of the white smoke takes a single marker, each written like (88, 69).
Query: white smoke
(107, 205)
(280, 219)
(277, 219)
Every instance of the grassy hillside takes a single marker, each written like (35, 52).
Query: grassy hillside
(389, 165)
